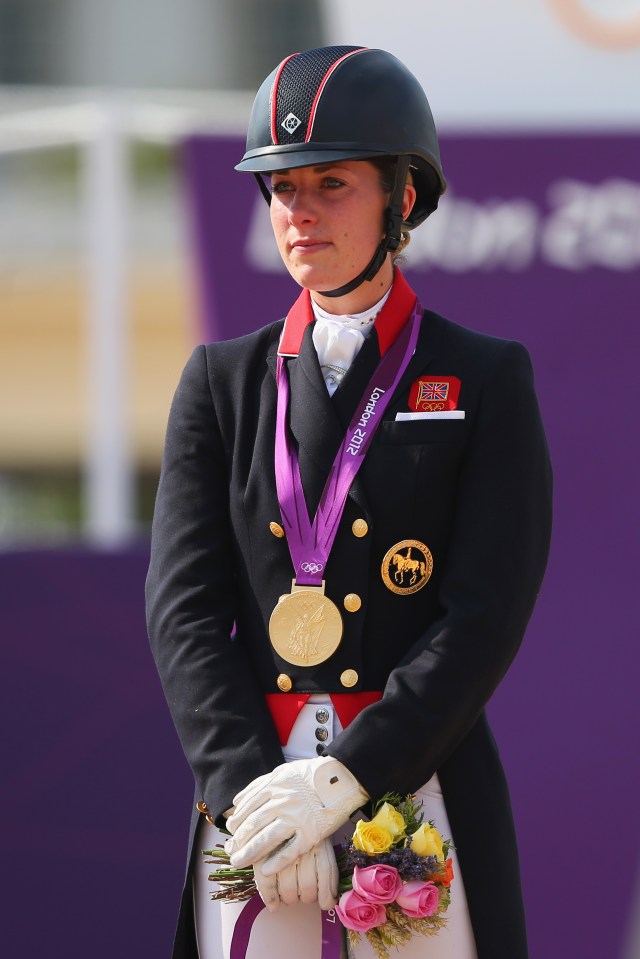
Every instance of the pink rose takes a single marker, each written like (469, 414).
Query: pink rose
(377, 883)
(354, 913)
(419, 899)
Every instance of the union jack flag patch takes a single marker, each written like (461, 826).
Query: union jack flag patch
(434, 393)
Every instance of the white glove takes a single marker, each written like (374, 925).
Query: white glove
(312, 878)
(282, 815)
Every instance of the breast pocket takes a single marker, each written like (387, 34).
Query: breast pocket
(412, 470)
(420, 432)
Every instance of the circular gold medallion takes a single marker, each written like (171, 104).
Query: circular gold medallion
(407, 566)
(305, 627)
(352, 602)
(349, 678)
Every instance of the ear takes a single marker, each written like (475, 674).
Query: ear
(408, 200)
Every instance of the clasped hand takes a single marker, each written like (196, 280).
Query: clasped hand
(281, 816)
(313, 877)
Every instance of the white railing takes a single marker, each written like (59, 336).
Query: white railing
(103, 128)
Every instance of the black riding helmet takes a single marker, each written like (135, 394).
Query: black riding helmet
(348, 103)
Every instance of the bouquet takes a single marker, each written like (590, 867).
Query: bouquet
(395, 876)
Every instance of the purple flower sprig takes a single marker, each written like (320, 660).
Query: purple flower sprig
(405, 860)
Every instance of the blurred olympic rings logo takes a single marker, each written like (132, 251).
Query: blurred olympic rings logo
(311, 567)
(615, 28)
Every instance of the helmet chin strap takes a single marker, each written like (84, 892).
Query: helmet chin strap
(392, 234)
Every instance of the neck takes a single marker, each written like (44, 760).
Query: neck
(362, 298)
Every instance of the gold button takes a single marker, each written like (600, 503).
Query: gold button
(276, 529)
(352, 602)
(284, 682)
(360, 528)
(349, 678)
(202, 807)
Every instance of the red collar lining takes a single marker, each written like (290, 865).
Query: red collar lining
(392, 317)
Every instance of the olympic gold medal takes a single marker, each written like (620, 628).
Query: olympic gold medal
(305, 628)
(407, 566)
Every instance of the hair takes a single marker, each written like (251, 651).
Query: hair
(386, 167)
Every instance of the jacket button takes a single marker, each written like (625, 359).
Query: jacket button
(349, 678)
(322, 733)
(352, 602)
(277, 530)
(202, 807)
(322, 715)
(360, 528)
(284, 683)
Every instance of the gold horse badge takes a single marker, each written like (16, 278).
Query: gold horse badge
(407, 566)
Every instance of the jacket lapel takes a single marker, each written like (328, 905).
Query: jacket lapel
(418, 364)
(356, 379)
(313, 421)
(318, 421)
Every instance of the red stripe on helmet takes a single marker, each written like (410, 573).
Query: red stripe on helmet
(323, 83)
(274, 98)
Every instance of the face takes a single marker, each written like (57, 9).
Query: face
(327, 222)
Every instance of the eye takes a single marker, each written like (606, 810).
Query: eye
(280, 186)
(332, 183)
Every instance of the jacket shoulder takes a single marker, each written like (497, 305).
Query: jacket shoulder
(242, 349)
(230, 365)
(473, 356)
(450, 336)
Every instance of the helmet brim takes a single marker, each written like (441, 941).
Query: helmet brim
(295, 155)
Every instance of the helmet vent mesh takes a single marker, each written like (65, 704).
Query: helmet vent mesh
(297, 88)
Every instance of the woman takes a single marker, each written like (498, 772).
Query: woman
(308, 668)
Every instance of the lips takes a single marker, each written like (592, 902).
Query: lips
(308, 245)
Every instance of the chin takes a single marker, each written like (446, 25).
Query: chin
(317, 280)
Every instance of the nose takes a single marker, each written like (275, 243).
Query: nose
(302, 208)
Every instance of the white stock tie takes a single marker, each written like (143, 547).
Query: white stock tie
(338, 340)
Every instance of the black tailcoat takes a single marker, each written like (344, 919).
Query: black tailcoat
(476, 490)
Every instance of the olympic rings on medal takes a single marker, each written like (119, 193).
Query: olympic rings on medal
(311, 567)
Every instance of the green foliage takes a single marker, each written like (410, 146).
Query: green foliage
(411, 812)
(236, 885)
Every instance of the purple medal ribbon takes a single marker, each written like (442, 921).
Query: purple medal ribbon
(331, 931)
(310, 542)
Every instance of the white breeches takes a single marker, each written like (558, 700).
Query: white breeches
(294, 932)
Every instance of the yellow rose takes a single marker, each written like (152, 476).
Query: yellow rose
(390, 819)
(371, 838)
(427, 841)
